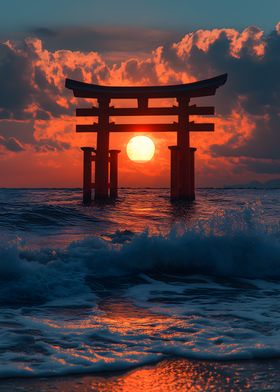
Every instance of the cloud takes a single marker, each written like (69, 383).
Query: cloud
(32, 79)
(46, 145)
(28, 136)
(252, 61)
(16, 86)
(263, 142)
(102, 40)
(260, 166)
(247, 106)
(43, 32)
(11, 144)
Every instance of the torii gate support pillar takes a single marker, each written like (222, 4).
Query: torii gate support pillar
(88, 184)
(102, 151)
(183, 171)
(87, 173)
(192, 173)
(174, 168)
(114, 173)
(177, 172)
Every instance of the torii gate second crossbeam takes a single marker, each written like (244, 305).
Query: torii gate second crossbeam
(182, 155)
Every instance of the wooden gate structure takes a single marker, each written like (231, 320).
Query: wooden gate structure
(182, 184)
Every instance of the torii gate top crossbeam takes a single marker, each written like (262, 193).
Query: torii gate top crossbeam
(196, 89)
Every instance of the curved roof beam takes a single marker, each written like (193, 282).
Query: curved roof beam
(196, 89)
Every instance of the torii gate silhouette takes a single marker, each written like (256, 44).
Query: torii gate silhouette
(182, 155)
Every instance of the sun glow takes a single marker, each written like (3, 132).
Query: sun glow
(140, 149)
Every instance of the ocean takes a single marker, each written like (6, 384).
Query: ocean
(114, 287)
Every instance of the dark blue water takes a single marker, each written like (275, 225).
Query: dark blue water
(100, 287)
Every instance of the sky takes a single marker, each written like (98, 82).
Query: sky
(138, 43)
(17, 15)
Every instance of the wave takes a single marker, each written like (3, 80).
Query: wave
(46, 216)
(230, 245)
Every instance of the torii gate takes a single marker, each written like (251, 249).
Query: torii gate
(182, 155)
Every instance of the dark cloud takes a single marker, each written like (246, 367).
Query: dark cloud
(46, 145)
(15, 82)
(20, 136)
(109, 39)
(20, 130)
(11, 144)
(138, 71)
(23, 83)
(263, 144)
(43, 32)
(253, 77)
(260, 166)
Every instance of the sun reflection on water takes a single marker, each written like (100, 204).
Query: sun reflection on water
(176, 375)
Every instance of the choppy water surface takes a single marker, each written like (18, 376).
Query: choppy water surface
(102, 287)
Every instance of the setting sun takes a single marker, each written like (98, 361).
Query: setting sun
(140, 149)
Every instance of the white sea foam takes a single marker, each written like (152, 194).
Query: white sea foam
(227, 246)
(210, 290)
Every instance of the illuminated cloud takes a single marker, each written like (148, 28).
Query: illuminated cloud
(36, 111)
(253, 62)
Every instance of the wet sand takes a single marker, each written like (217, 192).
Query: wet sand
(168, 375)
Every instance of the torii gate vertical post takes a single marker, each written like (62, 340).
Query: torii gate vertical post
(174, 168)
(192, 173)
(114, 173)
(87, 173)
(102, 150)
(182, 155)
(183, 144)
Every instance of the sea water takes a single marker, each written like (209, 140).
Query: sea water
(114, 286)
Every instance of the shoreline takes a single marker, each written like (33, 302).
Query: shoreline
(176, 374)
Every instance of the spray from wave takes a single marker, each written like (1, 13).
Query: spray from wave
(228, 245)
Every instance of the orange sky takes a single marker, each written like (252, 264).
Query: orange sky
(38, 143)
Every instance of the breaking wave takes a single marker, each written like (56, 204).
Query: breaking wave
(209, 290)
(230, 245)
